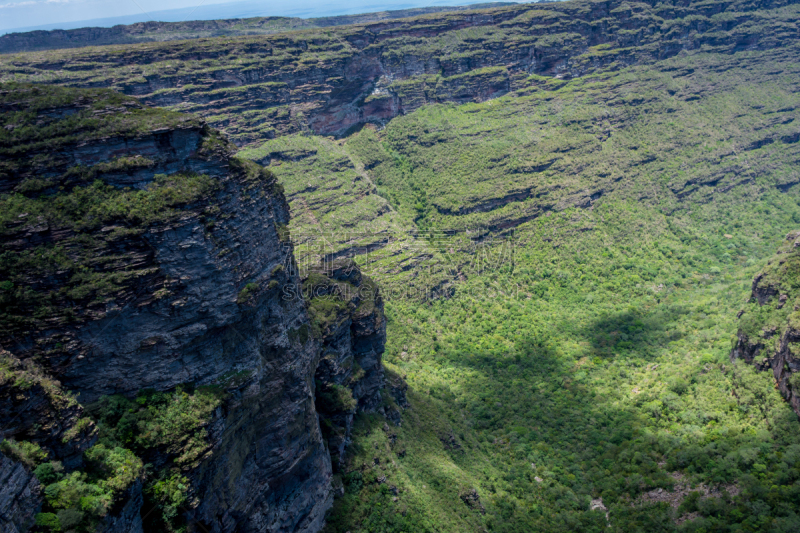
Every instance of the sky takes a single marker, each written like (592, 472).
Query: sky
(29, 13)
(24, 15)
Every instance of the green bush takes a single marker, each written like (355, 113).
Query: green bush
(48, 473)
(173, 422)
(117, 467)
(336, 398)
(70, 518)
(28, 453)
(169, 495)
(689, 504)
(246, 293)
(76, 491)
(49, 521)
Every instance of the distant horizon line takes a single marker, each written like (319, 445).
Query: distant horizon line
(242, 13)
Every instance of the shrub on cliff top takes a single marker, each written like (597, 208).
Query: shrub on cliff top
(28, 453)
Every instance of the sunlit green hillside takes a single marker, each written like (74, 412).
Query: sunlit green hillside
(583, 354)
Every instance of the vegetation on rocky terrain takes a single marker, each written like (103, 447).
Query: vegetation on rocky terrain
(769, 322)
(584, 353)
(593, 361)
(563, 249)
(332, 79)
(197, 29)
(72, 232)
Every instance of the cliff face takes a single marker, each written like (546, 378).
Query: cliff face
(145, 267)
(19, 496)
(258, 87)
(195, 29)
(347, 315)
(769, 332)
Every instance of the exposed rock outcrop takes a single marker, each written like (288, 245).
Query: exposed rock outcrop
(34, 407)
(192, 29)
(329, 83)
(769, 331)
(147, 257)
(19, 496)
(347, 315)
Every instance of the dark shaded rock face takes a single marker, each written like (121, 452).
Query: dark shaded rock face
(129, 518)
(769, 332)
(35, 407)
(19, 496)
(347, 315)
(194, 290)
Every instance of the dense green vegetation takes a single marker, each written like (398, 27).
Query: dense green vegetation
(778, 283)
(563, 268)
(79, 500)
(597, 392)
(167, 427)
(584, 353)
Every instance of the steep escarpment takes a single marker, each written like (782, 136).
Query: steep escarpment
(19, 496)
(194, 29)
(259, 87)
(769, 325)
(346, 312)
(147, 316)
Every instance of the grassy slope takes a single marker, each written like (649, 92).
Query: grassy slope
(596, 358)
(337, 211)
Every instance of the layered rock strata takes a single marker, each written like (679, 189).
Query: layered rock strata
(258, 87)
(769, 325)
(139, 254)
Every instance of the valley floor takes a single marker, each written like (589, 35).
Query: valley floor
(576, 377)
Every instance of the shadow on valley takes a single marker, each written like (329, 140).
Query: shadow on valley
(544, 415)
(559, 428)
(634, 333)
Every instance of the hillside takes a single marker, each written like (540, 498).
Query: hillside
(768, 332)
(31, 41)
(565, 207)
(332, 80)
(155, 372)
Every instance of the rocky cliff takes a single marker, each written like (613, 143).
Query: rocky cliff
(19, 496)
(149, 316)
(769, 331)
(328, 82)
(194, 29)
(347, 315)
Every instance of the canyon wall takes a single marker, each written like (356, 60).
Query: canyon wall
(138, 254)
(255, 88)
(769, 331)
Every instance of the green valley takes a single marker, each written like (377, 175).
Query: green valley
(587, 356)
(564, 208)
